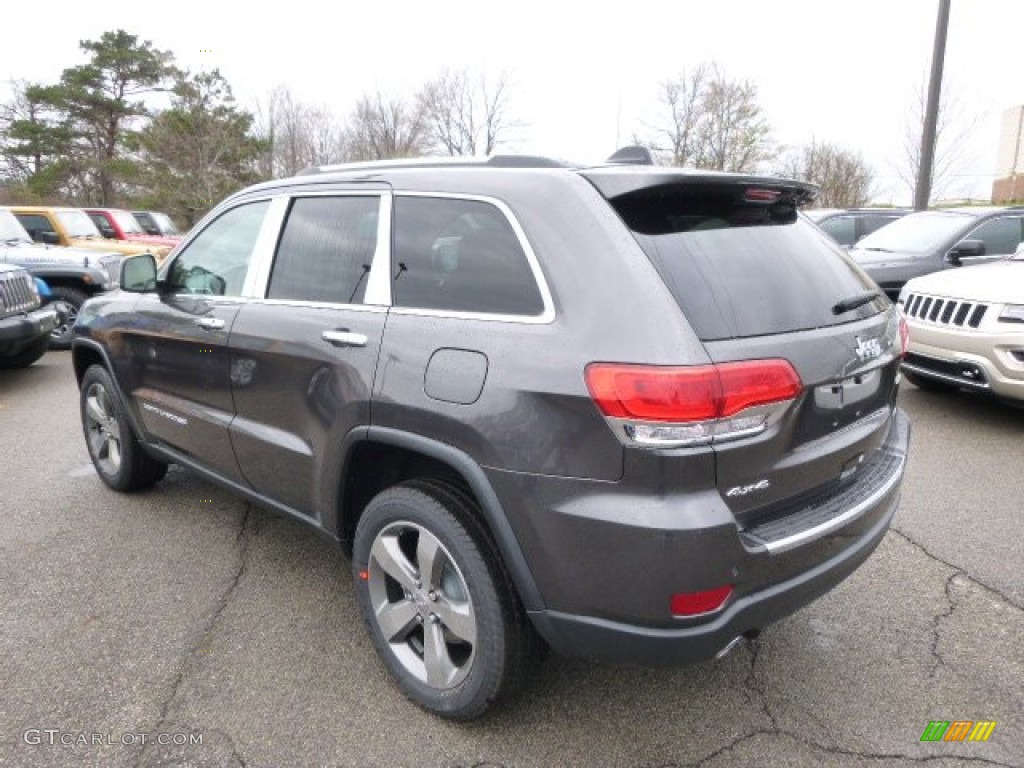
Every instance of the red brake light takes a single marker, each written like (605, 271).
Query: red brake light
(695, 603)
(758, 195)
(693, 393)
(904, 336)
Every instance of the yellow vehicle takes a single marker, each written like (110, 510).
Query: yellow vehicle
(71, 226)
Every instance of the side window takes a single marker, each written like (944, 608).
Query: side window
(326, 250)
(216, 261)
(103, 225)
(871, 224)
(460, 255)
(1001, 236)
(34, 223)
(841, 228)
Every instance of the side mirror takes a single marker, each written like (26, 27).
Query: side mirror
(47, 237)
(138, 273)
(965, 249)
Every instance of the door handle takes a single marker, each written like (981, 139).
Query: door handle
(210, 323)
(344, 338)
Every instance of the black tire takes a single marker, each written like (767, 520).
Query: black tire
(28, 355)
(929, 385)
(115, 451)
(467, 587)
(67, 301)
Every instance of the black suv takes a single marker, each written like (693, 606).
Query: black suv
(634, 412)
(930, 241)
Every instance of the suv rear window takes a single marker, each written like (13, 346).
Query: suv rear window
(739, 268)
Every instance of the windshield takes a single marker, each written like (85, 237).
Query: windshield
(166, 225)
(78, 224)
(917, 233)
(127, 223)
(11, 229)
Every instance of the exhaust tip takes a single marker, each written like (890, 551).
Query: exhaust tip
(729, 647)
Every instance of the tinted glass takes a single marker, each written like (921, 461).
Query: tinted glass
(842, 229)
(870, 224)
(102, 225)
(740, 269)
(216, 261)
(1001, 236)
(460, 255)
(326, 250)
(34, 223)
(917, 233)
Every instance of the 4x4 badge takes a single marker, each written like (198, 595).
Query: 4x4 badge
(868, 348)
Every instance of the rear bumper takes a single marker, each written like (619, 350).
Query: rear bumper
(21, 330)
(607, 558)
(624, 643)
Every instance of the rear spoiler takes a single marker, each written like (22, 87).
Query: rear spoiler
(618, 180)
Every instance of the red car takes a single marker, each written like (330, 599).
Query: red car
(121, 225)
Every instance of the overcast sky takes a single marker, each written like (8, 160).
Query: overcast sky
(585, 75)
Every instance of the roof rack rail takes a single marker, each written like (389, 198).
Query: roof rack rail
(493, 161)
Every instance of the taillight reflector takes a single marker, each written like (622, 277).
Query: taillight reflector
(692, 393)
(904, 336)
(695, 603)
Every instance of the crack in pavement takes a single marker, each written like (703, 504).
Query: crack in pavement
(933, 646)
(245, 534)
(960, 570)
(810, 744)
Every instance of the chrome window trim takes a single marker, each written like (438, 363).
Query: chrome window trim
(546, 317)
(304, 304)
(257, 277)
(378, 282)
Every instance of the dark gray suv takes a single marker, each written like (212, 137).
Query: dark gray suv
(628, 412)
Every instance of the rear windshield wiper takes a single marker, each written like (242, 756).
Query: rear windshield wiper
(852, 302)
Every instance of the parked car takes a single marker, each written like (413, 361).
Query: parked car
(848, 226)
(637, 412)
(25, 325)
(967, 329)
(72, 274)
(117, 224)
(929, 241)
(157, 223)
(71, 226)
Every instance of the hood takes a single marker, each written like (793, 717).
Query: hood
(999, 283)
(118, 246)
(881, 258)
(56, 253)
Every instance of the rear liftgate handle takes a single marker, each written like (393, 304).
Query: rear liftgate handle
(210, 323)
(344, 338)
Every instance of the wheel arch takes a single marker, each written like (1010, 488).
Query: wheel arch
(405, 456)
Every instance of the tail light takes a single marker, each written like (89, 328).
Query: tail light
(658, 406)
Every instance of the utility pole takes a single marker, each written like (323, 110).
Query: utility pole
(923, 192)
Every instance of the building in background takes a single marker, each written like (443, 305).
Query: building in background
(1009, 183)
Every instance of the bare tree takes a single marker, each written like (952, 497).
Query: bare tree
(952, 133)
(734, 132)
(465, 115)
(844, 179)
(683, 111)
(383, 127)
(710, 121)
(297, 135)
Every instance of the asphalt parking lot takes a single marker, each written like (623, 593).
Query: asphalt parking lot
(182, 614)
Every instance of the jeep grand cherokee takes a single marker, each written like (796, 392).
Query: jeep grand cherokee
(635, 412)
